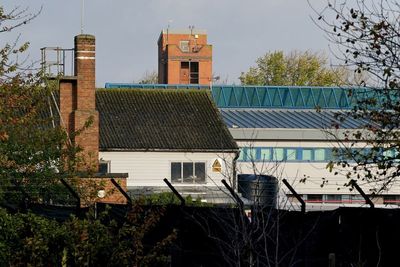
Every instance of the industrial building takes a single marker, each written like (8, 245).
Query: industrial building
(282, 133)
(285, 132)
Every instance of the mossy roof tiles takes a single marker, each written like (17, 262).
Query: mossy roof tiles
(161, 120)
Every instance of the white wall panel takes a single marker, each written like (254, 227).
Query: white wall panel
(150, 168)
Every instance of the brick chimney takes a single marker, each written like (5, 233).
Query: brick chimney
(78, 102)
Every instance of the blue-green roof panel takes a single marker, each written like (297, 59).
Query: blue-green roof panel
(287, 97)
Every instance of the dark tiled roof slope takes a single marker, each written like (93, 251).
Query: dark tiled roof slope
(179, 120)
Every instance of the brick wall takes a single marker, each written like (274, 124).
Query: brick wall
(91, 190)
(170, 56)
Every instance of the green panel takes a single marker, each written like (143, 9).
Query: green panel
(297, 96)
(242, 97)
(275, 97)
(222, 98)
(286, 97)
(331, 98)
(216, 95)
(342, 97)
(253, 96)
(319, 97)
(230, 96)
(308, 98)
(264, 97)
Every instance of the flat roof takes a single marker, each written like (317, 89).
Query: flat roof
(184, 31)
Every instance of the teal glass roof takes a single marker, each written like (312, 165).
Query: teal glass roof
(287, 97)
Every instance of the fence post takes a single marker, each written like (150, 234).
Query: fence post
(332, 260)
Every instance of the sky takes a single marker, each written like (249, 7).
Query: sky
(127, 31)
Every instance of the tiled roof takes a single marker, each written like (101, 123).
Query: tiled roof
(287, 118)
(180, 120)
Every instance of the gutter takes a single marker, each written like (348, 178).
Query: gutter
(234, 173)
(168, 150)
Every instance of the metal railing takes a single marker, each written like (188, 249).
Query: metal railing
(56, 61)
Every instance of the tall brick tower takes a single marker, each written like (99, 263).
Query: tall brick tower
(78, 101)
(184, 57)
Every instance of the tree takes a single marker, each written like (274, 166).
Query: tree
(294, 69)
(149, 77)
(367, 36)
(32, 144)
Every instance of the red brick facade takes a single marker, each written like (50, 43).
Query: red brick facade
(184, 57)
(91, 190)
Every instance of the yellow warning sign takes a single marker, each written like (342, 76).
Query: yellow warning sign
(217, 167)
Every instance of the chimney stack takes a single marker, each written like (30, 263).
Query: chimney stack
(78, 102)
(88, 139)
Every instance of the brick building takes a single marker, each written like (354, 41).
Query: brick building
(149, 135)
(184, 57)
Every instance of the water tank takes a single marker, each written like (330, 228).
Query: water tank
(260, 189)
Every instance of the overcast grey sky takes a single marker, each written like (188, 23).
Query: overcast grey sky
(127, 31)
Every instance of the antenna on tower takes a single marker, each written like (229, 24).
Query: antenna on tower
(169, 24)
(191, 28)
(82, 15)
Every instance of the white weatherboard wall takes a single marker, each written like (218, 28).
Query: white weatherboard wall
(150, 168)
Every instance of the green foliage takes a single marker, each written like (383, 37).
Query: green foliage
(29, 240)
(32, 240)
(34, 149)
(294, 69)
(169, 198)
(29, 147)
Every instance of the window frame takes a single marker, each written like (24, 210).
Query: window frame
(183, 44)
(249, 154)
(108, 162)
(181, 179)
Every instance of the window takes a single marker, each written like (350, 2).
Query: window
(251, 154)
(391, 199)
(319, 154)
(184, 46)
(176, 171)
(194, 72)
(189, 72)
(291, 154)
(265, 154)
(277, 154)
(333, 198)
(104, 166)
(307, 154)
(188, 172)
(314, 198)
(241, 155)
